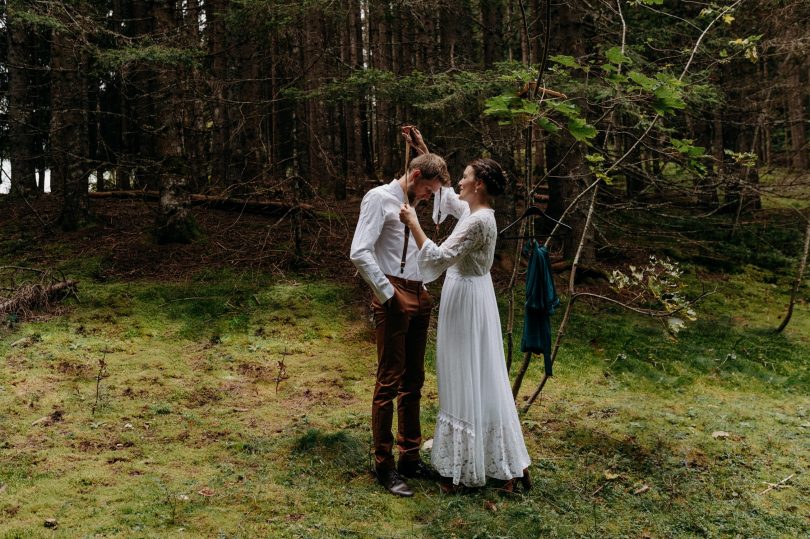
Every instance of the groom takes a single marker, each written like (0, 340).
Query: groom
(401, 307)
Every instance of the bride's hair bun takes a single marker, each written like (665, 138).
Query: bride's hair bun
(491, 173)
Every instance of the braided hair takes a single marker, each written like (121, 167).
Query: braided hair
(491, 173)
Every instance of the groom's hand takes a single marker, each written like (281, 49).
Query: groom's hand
(390, 301)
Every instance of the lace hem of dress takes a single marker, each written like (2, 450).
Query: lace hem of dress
(458, 455)
(455, 423)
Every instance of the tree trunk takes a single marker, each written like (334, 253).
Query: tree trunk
(174, 223)
(21, 60)
(799, 276)
(571, 175)
(795, 105)
(492, 15)
(69, 128)
(706, 185)
(218, 47)
(142, 92)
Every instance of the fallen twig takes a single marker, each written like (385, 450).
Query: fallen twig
(102, 373)
(775, 486)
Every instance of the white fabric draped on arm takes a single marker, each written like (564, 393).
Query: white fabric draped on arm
(434, 259)
(446, 202)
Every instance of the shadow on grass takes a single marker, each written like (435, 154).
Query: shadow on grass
(717, 347)
(340, 451)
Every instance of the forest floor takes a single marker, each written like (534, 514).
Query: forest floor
(155, 404)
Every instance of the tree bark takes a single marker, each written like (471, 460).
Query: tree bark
(795, 97)
(142, 91)
(218, 47)
(174, 223)
(492, 15)
(800, 275)
(570, 176)
(21, 58)
(69, 128)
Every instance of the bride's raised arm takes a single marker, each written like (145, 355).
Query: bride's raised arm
(434, 259)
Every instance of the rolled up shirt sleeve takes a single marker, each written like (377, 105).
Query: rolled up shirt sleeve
(368, 229)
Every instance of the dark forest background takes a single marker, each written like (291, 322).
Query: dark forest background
(185, 348)
(286, 100)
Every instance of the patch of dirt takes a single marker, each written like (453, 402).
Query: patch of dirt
(91, 446)
(11, 510)
(16, 362)
(257, 371)
(72, 368)
(695, 458)
(604, 413)
(203, 395)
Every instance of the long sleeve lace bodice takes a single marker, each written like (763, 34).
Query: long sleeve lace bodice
(469, 250)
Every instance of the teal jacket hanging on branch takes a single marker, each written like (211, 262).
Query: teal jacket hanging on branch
(541, 302)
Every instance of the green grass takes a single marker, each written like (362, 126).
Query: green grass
(191, 438)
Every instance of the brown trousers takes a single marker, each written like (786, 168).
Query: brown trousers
(401, 327)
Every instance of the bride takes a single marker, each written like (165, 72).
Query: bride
(478, 434)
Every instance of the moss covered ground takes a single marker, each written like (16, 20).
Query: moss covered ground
(158, 407)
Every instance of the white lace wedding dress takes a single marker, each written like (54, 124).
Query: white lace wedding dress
(478, 434)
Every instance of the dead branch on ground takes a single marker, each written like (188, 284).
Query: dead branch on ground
(24, 290)
(272, 207)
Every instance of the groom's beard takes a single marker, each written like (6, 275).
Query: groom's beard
(412, 197)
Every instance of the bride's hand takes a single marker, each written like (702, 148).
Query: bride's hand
(412, 135)
(407, 214)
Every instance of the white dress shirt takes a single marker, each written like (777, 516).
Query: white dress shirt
(379, 238)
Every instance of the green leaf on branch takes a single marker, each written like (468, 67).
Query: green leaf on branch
(507, 107)
(568, 110)
(547, 125)
(642, 80)
(667, 100)
(615, 56)
(744, 159)
(580, 129)
(526, 107)
(685, 147)
(565, 60)
(603, 177)
(498, 105)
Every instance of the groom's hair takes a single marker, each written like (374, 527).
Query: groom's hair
(431, 166)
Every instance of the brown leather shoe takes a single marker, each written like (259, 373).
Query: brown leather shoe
(394, 483)
(448, 487)
(416, 469)
(526, 480)
(508, 487)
